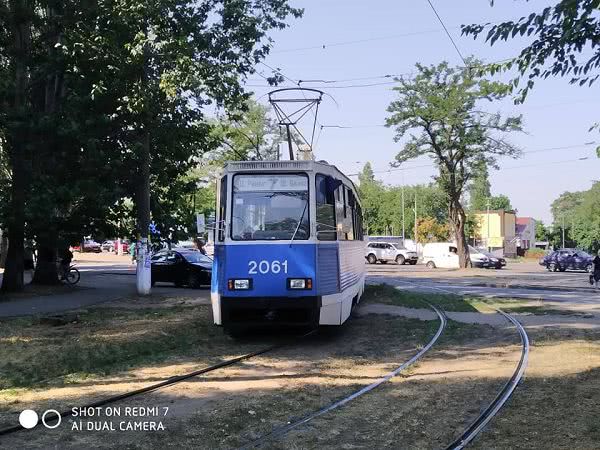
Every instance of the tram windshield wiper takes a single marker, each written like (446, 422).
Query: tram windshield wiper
(299, 223)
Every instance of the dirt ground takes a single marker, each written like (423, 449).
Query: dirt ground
(426, 407)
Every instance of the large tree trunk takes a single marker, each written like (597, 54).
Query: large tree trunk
(3, 248)
(457, 221)
(143, 273)
(47, 238)
(45, 269)
(17, 140)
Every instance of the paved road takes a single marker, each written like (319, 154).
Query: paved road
(429, 285)
(109, 278)
(100, 283)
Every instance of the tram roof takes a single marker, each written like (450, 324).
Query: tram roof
(304, 166)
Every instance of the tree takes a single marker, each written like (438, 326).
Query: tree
(542, 233)
(371, 192)
(500, 202)
(366, 175)
(430, 230)
(438, 111)
(586, 226)
(564, 207)
(247, 135)
(113, 90)
(480, 196)
(479, 189)
(565, 42)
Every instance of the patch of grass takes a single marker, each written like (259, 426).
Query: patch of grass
(103, 342)
(384, 293)
(517, 306)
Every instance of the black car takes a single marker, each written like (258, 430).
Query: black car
(183, 267)
(567, 258)
(496, 262)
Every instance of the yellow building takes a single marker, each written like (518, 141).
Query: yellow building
(496, 230)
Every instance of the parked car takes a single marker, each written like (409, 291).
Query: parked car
(108, 246)
(181, 266)
(89, 246)
(124, 243)
(385, 252)
(445, 255)
(567, 258)
(495, 262)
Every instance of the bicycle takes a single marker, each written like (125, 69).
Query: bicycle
(71, 276)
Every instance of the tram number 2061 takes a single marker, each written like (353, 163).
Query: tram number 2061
(265, 267)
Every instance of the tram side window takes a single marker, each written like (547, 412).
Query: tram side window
(325, 203)
(222, 209)
(351, 214)
(358, 229)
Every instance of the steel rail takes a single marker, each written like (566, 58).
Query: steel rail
(168, 382)
(278, 432)
(505, 393)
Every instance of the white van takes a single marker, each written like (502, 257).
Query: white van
(445, 255)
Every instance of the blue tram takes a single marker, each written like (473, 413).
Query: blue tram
(289, 245)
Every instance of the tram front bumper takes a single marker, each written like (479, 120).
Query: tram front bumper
(247, 312)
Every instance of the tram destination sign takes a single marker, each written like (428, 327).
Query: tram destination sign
(270, 183)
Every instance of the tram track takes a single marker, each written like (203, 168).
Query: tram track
(283, 430)
(168, 382)
(477, 426)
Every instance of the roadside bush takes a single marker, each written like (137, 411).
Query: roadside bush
(534, 253)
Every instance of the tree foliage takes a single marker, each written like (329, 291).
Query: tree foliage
(438, 115)
(579, 214)
(247, 135)
(564, 42)
(89, 86)
(382, 205)
(430, 230)
(564, 207)
(480, 196)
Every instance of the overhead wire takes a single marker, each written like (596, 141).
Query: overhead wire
(358, 41)
(313, 112)
(585, 144)
(447, 33)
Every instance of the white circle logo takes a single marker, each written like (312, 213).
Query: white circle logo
(44, 418)
(28, 418)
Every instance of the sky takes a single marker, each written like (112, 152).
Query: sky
(392, 36)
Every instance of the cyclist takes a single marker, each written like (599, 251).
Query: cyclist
(65, 262)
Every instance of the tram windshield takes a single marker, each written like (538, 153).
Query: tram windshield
(270, 207)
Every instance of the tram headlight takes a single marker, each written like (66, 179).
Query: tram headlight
(299, 283)
(240, 284)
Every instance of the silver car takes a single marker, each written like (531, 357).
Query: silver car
(385, 252)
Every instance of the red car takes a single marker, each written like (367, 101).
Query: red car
(124, 243)
(89, 246)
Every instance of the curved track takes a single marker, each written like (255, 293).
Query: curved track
(168, 382)
(278, 432)
(477, 426)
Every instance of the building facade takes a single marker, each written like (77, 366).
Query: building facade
(496, 231)
(525, 231)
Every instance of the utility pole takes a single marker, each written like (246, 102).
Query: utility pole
(563, 231)
(403, 237)
(289, 139)
(487, 241)
(143, 274)
(416, 240)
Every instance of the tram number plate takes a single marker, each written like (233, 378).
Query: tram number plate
(264, 267)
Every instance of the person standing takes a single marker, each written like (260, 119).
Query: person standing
(132, 251)
(595, 275)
